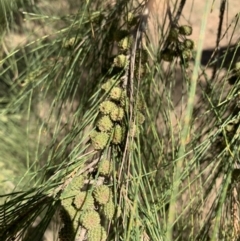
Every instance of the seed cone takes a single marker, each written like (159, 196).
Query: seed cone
(90, 219)
(102, 194)
(237, 68)
(106, 106)
(108, 85)
(105, 167)
(115, 93)
(181, 47)
(125, 43)
(185, 30)
(120, 61)
(105, 124)
(189, 44)
(140, 118)
(66, 202)
(73, 188)
(77, 182)
(134, 130)
(97, 234)
(173, 35)
(187, 54)
(83, 201)
(229, 128)
(99, 140)
(140, 104)
(130, 17)
(109, 209)
(117, 114)
(117, 135)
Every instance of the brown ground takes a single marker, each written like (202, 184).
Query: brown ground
(193, 13)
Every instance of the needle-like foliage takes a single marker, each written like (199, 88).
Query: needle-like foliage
(112, 128)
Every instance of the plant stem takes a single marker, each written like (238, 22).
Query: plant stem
(186, 128)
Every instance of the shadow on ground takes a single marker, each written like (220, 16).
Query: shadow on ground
(225, 58)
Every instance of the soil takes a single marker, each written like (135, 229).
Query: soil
(193, 13)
